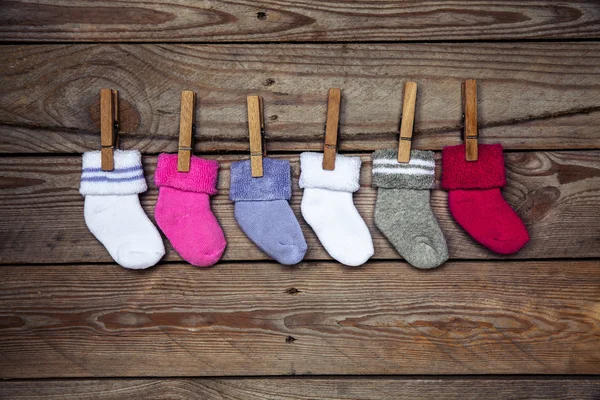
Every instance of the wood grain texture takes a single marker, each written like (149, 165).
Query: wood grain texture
(287, 20)
(70, 317)
(557, 194)
(510, 317)
(293, 388)
(531, 95)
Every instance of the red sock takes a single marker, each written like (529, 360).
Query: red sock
(475, 200)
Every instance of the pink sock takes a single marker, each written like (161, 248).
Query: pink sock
(183, 209)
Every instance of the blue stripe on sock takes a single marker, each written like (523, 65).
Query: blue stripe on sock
(107, 179)
(115, 171)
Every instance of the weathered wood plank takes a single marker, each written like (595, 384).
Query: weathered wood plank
(556, 193)
(531, 95)
(285, 20)
(295, 388)
(511, 317)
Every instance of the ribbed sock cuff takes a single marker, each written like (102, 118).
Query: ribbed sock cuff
(126, 178)
(485, 173)
(201, 178)
(344, 178)
(418, 173)
(275, 184)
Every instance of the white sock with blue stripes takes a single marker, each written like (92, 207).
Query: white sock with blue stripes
(113, 212)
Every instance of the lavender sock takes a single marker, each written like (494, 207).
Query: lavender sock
(263, 212)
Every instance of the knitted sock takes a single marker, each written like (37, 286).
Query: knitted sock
(113, 213)
(263, 212)
(328, 208)
(475, 200)
(183, 209)
(402, 212)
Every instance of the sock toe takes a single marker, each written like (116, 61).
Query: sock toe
(508, 245)
(209, 259)
(356, 257)
(132, 257)
(290, 254)
(426, 256)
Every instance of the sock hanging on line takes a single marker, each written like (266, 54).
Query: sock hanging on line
(403, 211)
(475, 200)
(328, 208)
(112, 209)
(263, 212)
(183, 210)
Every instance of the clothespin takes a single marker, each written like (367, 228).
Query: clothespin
(407, 123)
(469, 100)
(186, 130)
(256, 131)
(332, 128)
(109, 127)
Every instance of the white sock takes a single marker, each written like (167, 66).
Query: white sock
(328, 208)
(113, 212)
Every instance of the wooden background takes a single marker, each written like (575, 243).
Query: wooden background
(74, 325)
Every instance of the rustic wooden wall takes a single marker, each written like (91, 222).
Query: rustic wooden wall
(75, 325)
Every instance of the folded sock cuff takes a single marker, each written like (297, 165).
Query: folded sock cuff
(485, 173)
(126, 178)
(275, 184)
(418, 173)
(344, 178)
(201, 178)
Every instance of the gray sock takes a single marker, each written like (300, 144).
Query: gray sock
(402, 212)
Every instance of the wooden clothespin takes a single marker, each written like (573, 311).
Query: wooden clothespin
(407, 123)
(256, 131)
(332, 128)
(469, 100)
(109, 127)
(186, 130)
